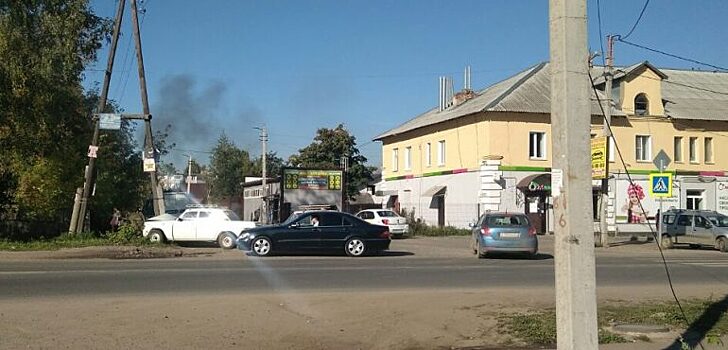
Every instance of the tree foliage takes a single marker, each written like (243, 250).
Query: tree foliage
(44, 120)
(274, 164)
(326, 151)
(228, 167)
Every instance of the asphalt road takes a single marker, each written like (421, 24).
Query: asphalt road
(412, 264)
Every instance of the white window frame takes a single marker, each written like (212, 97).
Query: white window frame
(428, 154)
(691, 199)
(677, 149)
(537, 145)
(693, 150)
(408, 158)
(708, 150)
(645, 148)
(441, 153)
(395, 159)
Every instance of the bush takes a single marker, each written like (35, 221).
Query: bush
(418, 228)
(127, 233)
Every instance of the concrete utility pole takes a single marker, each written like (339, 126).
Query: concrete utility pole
(157, 196)
(78, 217)
(604, 202)
(264, 163)
(189, 173)
(576, 311)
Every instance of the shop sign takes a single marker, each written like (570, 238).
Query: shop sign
(599, 157)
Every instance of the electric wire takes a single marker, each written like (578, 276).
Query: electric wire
(620, 39)
(638, 19)
(639, 201)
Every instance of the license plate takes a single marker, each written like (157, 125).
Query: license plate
(510, 235)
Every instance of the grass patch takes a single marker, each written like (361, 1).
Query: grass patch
(430, 231)
(126, 235)
(706, 316)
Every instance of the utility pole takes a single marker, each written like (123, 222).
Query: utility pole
(81, 202)
(264, 163)
(189, 172)
(604, 202)
(576, 312)
(157, 196)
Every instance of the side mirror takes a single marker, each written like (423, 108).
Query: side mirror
(471, 224)
(180, 219)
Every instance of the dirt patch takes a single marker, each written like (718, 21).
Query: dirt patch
(112, 252)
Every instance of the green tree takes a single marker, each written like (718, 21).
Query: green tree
(44, 123)
(228, 167)
(326, 151)
(274, 163)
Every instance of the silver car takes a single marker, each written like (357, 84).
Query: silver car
(696, 227)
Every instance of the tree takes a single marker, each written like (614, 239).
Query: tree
(44, 123)
(228, 167)
(274, 164)
(326, 151)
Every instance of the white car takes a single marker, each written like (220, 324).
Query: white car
(198, 225)
(397, 225)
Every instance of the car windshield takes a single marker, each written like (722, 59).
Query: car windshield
(387, 213)
(231, 215)
(507, 220)
(719, 220)
(291, 218)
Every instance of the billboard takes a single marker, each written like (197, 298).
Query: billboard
(306, 188)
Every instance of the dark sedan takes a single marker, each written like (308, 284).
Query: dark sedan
(316, 231)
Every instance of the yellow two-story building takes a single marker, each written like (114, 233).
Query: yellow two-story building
(491, 149)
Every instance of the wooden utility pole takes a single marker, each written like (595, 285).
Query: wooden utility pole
(78, 217)
(149, 151)
(576, 311)
(604, 202)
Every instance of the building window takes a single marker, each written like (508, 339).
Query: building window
(408, 158)
(693, 150)
(395, 159)
(643, 148)
(428, 154)
(694, 199)
(677, 149)
(537, 145)
(441, 152)
(641, 105)
(708, 149)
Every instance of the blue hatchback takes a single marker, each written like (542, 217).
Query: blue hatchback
(503, 232)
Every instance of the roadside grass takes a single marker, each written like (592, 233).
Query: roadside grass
(125, 235)
(431, 231)
(539, 327)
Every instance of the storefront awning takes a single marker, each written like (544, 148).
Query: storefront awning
(435, 191)
(535, 182)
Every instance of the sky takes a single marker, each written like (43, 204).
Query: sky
(294, 66)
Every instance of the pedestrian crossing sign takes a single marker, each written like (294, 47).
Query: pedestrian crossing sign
(661, 185)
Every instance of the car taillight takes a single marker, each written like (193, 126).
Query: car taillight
(531, 231)
(385, 221)
(384, 234)
(485, 231)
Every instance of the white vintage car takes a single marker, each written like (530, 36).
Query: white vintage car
(203, 224)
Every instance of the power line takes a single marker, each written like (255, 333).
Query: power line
(638, 19)
(639, 201)
(620, 39)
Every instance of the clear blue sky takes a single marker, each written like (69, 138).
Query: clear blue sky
(296, 65)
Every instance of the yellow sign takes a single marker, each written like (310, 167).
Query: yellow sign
(600, 157)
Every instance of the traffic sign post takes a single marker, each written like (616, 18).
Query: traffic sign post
(661, 185)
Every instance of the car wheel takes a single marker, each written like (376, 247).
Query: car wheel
(723, 244)
(481, 252)
(156, 236)
(666, 242)
(261, 246)
(226, 240)
(355, 247)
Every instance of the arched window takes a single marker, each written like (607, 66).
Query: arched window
(641, 105)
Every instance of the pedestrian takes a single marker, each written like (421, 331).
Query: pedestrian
(115, 220)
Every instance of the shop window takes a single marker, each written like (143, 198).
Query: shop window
(694, 199)
(641, 105)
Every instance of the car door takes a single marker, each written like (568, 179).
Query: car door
(185, 228)
(207, 226)
(334, 230)
(299, 235)
(683, 225)
(702, 229)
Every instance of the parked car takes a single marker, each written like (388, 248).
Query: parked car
(203, 224)
(503, 232)
(695, 226)
(335, 231)
(397, 225)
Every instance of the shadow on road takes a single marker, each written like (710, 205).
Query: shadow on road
(385, 253)
(700, 327)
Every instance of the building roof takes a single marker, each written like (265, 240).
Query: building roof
(526, 92)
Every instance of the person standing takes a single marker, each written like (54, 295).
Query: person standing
(115, 220)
